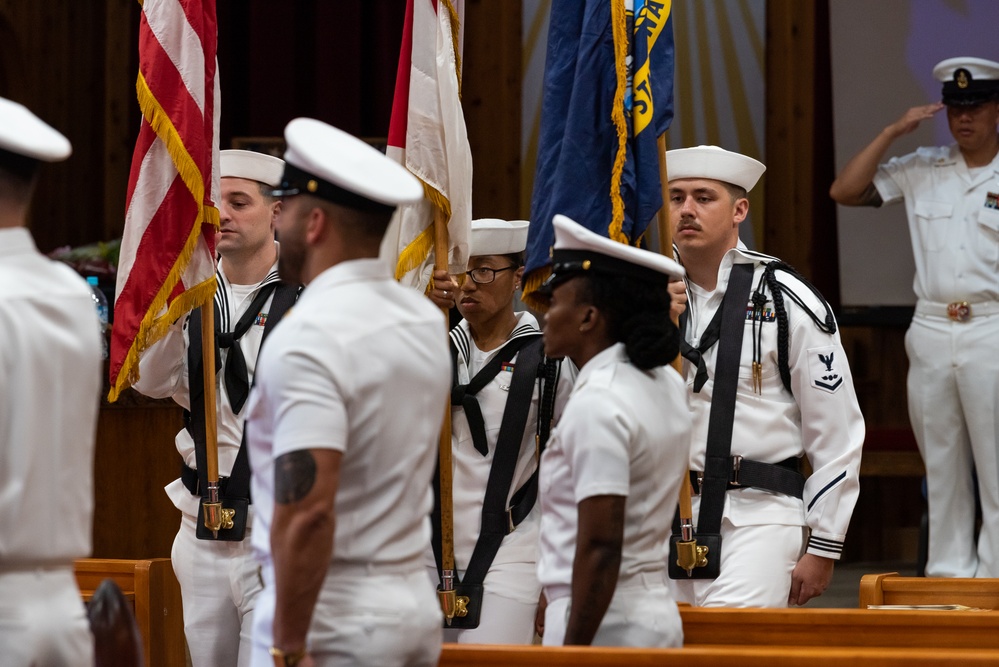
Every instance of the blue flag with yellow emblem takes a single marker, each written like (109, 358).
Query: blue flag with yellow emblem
(608, 94)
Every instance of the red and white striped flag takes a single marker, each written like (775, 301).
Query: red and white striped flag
(427, 135)
(167, 262)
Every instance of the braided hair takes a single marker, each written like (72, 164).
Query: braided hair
(638, 315)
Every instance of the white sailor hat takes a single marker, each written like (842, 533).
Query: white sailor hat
(714, 163)
(331, 164)
(491, 236)
(251, 165)
(967, 81)
(578, 250)
(25, 138)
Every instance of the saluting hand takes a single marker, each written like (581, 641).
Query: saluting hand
(911, 119)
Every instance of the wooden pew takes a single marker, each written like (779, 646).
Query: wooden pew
(841, 628)
(889, 588)
(778, 638)
(153, 589)
(462, 655)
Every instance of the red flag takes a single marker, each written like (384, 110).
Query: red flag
(427, 135)
(167, 264)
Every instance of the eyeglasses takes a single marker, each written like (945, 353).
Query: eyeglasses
(484, 275)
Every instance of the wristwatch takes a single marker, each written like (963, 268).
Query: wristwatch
(284, 658)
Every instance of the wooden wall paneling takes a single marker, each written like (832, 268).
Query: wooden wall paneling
(790, 106)
(342, 53)
(136, 457)
(331, 61)
(121, 110)
(825, 245)
(58, 53)
(879, 365)
(800, 222)
(491, 103)
(381, 23)
(12, 73)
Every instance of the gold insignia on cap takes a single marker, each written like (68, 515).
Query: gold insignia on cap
(962, 78)
(311, 186)
(586, 265)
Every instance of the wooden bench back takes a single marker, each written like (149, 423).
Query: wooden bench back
(463, 655)
(840, 628)
(153, 589)
(889, 588)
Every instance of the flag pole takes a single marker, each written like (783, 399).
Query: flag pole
(215, 516)
(689, 555)
(451, 603)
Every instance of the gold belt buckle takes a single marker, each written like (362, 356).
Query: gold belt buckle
(959, 311)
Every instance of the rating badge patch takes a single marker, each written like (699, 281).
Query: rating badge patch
(823, 365)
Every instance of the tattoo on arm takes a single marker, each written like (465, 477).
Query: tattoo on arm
(871, 197)
(294, 476)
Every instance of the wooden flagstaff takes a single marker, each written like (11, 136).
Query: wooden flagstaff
(687, 551)
(451, 604)
(214, 519)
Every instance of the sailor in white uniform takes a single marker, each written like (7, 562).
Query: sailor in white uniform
(611, 474)
(787, 393)
(951, 196)
(219, 582)
(50, 383)
(495, 457)
(340, 423)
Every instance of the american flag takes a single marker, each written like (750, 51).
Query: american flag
(167, 264)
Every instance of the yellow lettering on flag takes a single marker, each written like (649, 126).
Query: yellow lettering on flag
(651, 19)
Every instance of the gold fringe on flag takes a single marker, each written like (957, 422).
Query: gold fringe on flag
(532, 282)
(152, 328)
(619, 27)
(455, 29)
(418, 250)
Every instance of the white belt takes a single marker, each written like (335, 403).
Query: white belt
(957, 311)
(359, 569)
(647, 579)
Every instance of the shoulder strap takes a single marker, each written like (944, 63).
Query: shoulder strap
(523, 500)
(285, 297)
(496, 522)
(717, 466)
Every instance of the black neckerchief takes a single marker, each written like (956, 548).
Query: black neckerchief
(712, 332)
(464, 394)
(235, 374)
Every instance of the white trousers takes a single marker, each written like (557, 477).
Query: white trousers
(509, 603)
(641, 613)
(363, 618)
(219, 585)
(43, 620)
(953, 390)
(756, 567)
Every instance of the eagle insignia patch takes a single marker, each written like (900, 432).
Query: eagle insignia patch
(823, 365)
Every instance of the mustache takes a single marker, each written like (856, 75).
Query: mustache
(688, 223)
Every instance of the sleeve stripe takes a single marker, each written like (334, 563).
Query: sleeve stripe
(828, 486)
(829, 546)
